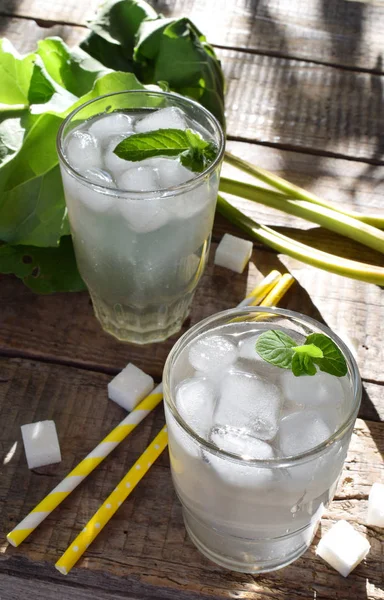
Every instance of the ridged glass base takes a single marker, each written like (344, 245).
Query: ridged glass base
(247, 555)
(154, 323)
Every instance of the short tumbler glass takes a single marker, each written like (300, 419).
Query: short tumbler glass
(141, 254)
(233, 522)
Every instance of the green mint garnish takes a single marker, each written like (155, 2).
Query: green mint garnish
(195, 153)
(319, 350)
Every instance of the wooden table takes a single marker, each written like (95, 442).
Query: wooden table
(305, 83)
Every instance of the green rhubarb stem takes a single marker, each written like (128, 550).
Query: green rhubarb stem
(13, 107)
(294, 191)
(325, 217)
(308, 255)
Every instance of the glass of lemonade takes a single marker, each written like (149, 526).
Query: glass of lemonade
(255, 452)
(141, 230)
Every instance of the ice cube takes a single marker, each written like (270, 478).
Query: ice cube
(239, 442)
(100, 177)
(41, 444)
(195, 401)
(195, 201)
(322, 392)
(314, 391)
(112, 162)
(212, 353)
(164, 118)
(130, 386)
(106, 126)
(79, 195)
(143, 215)
(250, 403)
(83, 151)
(252, 361)
(139, 179)
(171, 172)
(301, 431)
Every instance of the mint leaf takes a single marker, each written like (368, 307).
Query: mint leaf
(279, 349)
(302, 364)
(276, 347)
(195, 152)
(333, 361)
(310, 350)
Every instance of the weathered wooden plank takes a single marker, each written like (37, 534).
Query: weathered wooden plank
(12, 587)
(302, 105)
(144, 551)
(285, 102)
(60, 11)
(25, 33)
(344, 33)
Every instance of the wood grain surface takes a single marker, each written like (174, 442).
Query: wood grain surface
(335, 32)
(304, 100)
(144, 550)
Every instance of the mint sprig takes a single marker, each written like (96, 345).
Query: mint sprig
(195, 153)
(279, 349)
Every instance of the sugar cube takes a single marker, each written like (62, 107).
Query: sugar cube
(41, 444)
(233, 253)
(376, 505)
(343, 548)
(130, 386)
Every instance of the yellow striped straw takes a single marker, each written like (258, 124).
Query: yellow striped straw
(281, 287)
(112, 503)
(85, 467)
(261, 290)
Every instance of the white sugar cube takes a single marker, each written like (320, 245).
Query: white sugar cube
(233, 253)
(376, 505)
(130, 386)
(41, 444)
(343, 548)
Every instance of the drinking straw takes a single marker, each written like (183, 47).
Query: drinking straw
(278, 291)
(84, 468)
(112, 503)
(261, 290)
(137, 472)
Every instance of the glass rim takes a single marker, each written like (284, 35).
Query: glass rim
(168, 191)
(298, 318)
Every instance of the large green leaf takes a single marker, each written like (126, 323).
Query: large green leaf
(128, 35)
(73, 69)
(15, 75)
(11, 135)
(37, 154)
(43, 270)
(179, 54)
(118, 22)
(34, 212)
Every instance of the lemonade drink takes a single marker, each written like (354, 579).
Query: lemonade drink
(141, 230)
(255, 452)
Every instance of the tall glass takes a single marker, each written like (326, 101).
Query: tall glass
(262, 514)
(141, 254)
